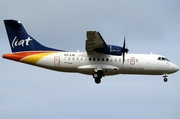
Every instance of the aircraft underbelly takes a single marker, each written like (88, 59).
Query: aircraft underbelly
(143, 72)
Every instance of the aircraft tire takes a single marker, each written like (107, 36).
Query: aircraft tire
(97, 81)
(97, 76)
(165, 79)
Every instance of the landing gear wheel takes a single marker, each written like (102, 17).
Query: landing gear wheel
(97, 76)
(97, 81)
(165, 79)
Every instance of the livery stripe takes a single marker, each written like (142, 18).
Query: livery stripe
(27, 57)
(32, 59)
(18, 56)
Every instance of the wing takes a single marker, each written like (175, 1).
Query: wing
(94, 41)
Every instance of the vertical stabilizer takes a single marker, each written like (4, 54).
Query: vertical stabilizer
(20, 40)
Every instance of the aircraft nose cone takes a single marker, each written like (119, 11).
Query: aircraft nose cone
(172, 68)
(175, 68)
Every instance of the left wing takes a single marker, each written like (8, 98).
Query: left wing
(94, 41)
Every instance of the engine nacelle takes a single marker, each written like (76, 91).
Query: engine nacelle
(111, 50)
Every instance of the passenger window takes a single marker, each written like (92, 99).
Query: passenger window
(94, 59)
(98, 59)
(77, 58)
(81, 58)
(69, 58)
(65, 58)
(119, 59)
(102, 59)
(89, 59)
(73, 58)
(136, 60)
(127, 60)
(107, 59)
(115, 60)
(111, 59)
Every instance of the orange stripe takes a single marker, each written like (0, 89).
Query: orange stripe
(19, 56)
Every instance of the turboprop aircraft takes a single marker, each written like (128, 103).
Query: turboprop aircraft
(99, 60)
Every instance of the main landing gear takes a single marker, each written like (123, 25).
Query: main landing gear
(165, 78)
(97, 76)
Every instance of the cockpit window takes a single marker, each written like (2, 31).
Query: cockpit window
(159, 58)
(163, 59)
(166, 59)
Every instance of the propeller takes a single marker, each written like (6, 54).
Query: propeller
(124, 49)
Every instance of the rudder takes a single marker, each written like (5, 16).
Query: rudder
(20, 40)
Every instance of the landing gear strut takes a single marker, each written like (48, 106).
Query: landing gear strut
(97, 76)
(165, 78)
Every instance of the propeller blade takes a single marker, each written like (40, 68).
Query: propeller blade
(124, 44)
(123, 57)
(124, 49)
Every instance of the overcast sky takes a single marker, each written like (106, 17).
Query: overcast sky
(28, 92)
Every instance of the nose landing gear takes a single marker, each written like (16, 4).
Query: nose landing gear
(165, 78)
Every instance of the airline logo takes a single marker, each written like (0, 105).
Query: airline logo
(114, 50)
(23, 42)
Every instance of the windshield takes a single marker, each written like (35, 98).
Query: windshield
(163, 59)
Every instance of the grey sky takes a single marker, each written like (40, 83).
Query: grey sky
(31, 92)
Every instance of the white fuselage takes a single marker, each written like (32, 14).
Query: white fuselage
(99, 60)
(83, 63)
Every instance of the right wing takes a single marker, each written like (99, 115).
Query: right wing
(94, 41)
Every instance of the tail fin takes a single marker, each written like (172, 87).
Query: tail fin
(19, 39)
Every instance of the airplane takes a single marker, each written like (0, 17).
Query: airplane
(99, 60)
